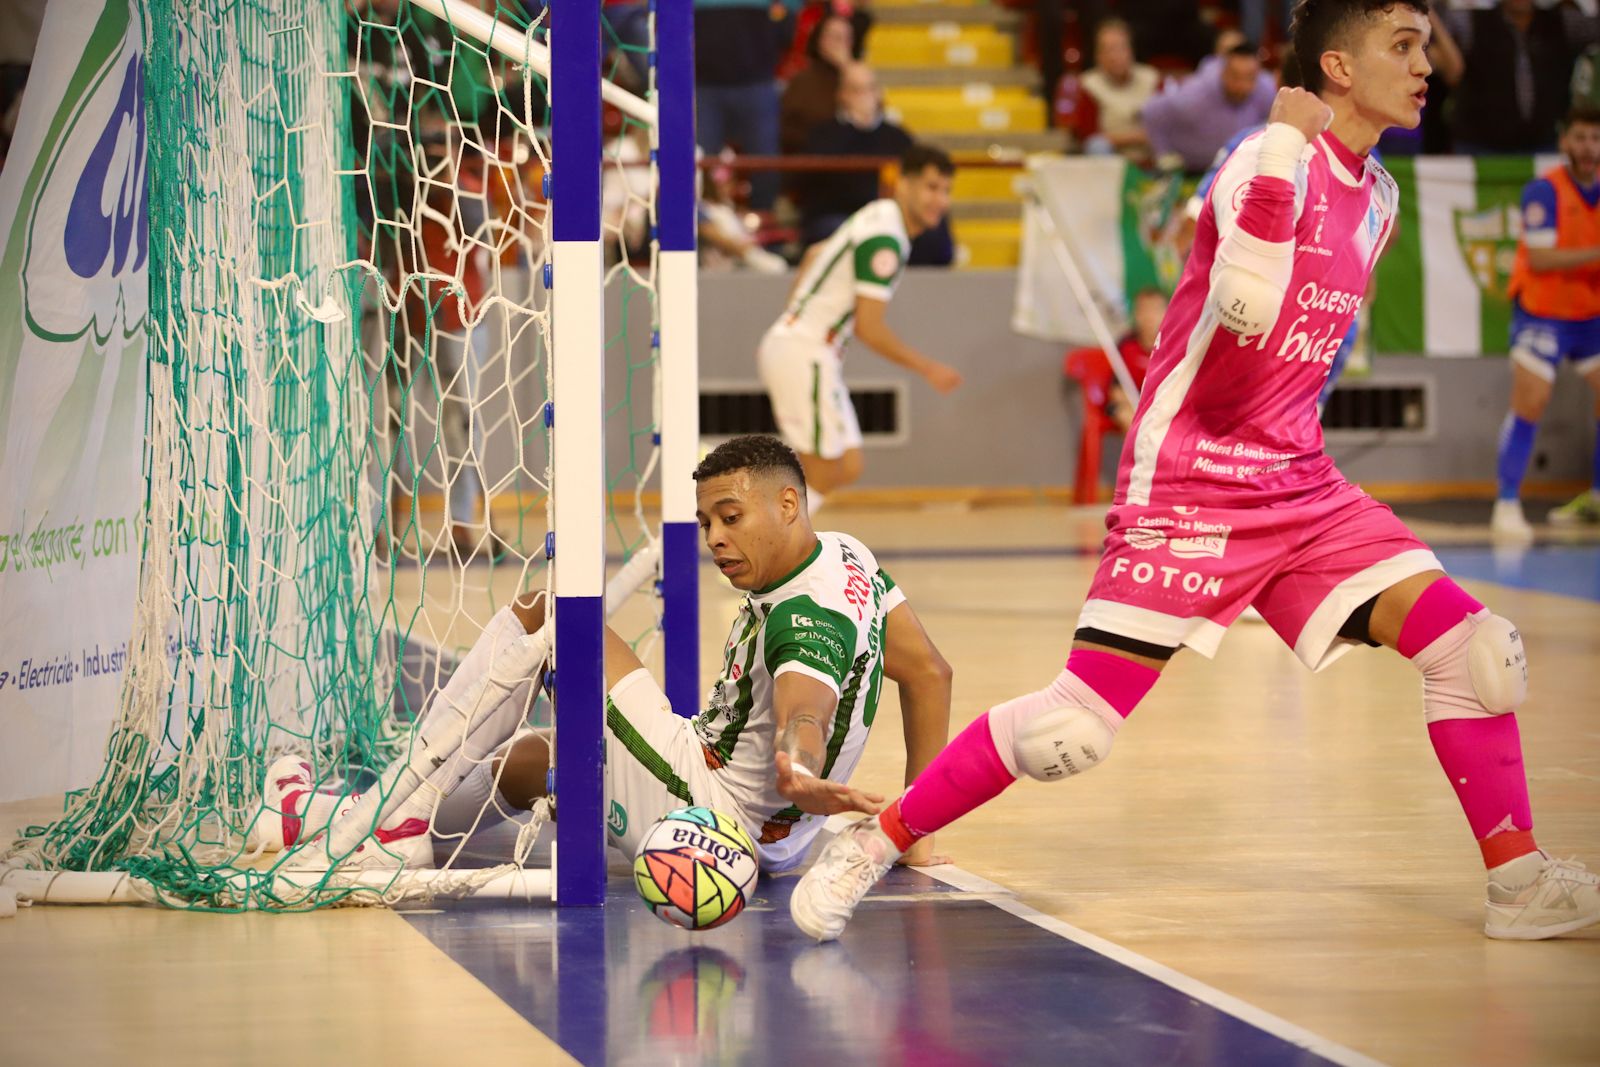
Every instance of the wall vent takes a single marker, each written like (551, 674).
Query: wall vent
(727, 410)
(1387, 409)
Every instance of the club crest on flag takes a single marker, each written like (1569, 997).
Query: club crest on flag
(1488, 242)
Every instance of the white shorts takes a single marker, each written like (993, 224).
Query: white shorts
(809, 399)
(654, 764)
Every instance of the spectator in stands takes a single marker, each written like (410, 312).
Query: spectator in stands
(1112, 93)
(726, 240)
(858, 129)
(19, 29)
(1149, 305)
(1514, 80)
(737, 45)
(626, 34)
(1586, 78)
(812, 96)
(1188, 124)
(1171, 30)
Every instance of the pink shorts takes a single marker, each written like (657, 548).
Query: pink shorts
(1179, 575)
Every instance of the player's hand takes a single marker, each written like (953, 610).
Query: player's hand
(1303, 110)
(921, 854)
(818, 796)
(942, 377)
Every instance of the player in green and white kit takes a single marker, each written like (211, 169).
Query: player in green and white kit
(820, 628)
(842, 289)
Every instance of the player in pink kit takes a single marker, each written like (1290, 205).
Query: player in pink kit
(1225, 498)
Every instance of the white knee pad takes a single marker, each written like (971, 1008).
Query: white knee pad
(1044, 736)
(1497, 665)
(1475, 669)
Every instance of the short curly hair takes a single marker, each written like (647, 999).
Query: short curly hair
(758, 452)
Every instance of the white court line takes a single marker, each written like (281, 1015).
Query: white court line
(1007, 901)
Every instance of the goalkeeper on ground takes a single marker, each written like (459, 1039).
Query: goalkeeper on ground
(802, 672)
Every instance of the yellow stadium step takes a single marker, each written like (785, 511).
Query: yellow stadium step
(975, 108)
(940, 44)
(986, 183)
(985, 14)
(988, 242)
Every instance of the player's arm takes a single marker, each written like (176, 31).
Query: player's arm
(873, 330)
(803, 707)
(807, 648)
(1255, 256)
(1548, 259)
(923, 677)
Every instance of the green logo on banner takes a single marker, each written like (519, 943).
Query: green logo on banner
(617, 819)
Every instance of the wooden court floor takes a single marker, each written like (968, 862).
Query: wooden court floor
(1287, 839)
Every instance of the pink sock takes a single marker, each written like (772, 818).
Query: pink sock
(970, 771)
(1481, 756)
(1483, 759)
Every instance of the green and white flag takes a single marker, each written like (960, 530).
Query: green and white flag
(1117, 222)
(73, 297)
(1441, 288)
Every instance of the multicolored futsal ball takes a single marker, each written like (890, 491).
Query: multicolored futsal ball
(696, 868)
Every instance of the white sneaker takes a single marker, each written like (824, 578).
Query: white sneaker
(296, 816)
(1564, 896)
(826, 897)
(284, 804)
(1508, 524)
(408, 846)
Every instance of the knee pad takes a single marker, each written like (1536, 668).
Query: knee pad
(1474, 670)
(1050, 743)
(1497, 665)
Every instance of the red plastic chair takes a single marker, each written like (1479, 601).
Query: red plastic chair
(1092, 371)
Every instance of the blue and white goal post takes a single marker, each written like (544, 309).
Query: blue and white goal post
(578, 443)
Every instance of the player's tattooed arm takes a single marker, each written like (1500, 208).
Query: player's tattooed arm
(803, 706)
(801, 741)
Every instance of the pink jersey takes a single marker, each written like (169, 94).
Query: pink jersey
(1233, 420)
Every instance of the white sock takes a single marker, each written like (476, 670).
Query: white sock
(469, 803)
(491, 690)
(814, 501)
(1514, 874)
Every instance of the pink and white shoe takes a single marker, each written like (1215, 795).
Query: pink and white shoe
(296, 816)
(289, 800)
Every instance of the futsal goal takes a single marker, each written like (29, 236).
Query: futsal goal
(422, 341)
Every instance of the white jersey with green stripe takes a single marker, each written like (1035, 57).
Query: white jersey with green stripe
(825, 620)
(865, 257)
